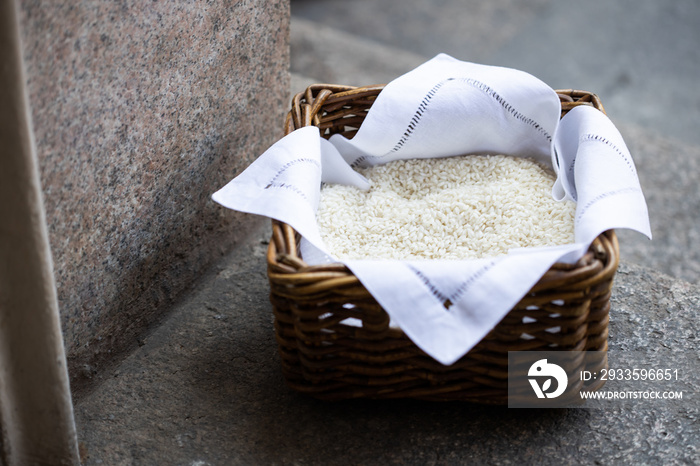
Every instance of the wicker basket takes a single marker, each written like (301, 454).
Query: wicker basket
(325, 358)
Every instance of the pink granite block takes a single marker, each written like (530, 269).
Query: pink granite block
(141, 110)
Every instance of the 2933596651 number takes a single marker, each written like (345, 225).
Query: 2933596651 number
(639, 374)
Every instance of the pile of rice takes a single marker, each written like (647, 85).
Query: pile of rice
(445, 208)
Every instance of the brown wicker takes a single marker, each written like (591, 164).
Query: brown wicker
(329, 360)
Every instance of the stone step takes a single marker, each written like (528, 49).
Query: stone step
(206, 388)
(641, 57)
(333, 56)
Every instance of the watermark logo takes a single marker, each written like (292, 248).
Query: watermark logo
(546, 372)
(598, 379)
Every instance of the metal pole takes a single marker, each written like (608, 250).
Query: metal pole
(36, 411)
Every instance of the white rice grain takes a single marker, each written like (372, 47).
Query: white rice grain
(464, 207)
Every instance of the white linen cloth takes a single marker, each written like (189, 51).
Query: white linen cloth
(448, 107)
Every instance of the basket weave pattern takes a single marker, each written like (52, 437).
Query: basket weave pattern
(328, 359)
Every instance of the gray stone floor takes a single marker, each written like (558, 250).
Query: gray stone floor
(205, 387)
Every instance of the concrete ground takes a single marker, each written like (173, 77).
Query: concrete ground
(205, 387)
